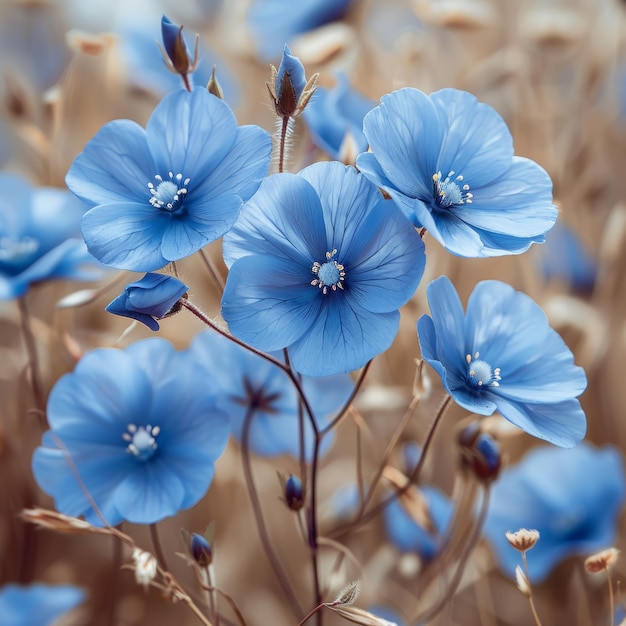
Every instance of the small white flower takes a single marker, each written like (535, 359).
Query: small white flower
(145, 567)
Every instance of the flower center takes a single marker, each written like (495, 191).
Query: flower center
(141, 440)
(480, 374)
(18, 253)
(329, 275)
(451, 192)
(168, 194)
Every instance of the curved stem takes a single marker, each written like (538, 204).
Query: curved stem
(260, 521)
(344, 409)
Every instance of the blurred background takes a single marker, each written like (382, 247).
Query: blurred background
(555, 71)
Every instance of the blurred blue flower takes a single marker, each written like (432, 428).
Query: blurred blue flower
(143, 432)
(39, 236)
(564, 258)
(320, 264)
(335, 113)
(249, 382)
(447, 160)
(572, 497)
(387, 614)
(163, 193)
(274, 22)
(502, 355)
(37, 604)
(149, 299)
(409, 536)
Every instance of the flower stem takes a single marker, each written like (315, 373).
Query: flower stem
(158, 548)
(530, 593)
(215, 275)
(611, 599)
(33, 359)
(284, 128)
(114, 589)
(260, 521)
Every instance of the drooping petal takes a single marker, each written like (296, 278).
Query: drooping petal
(563, 423)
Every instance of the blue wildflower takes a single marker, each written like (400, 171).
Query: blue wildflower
(392, 618)
(565, 258)
(40, 604)
(320, 263)
(293, 493)
(248, 382)
(163, 193)
(447, 160)
(149, 299)
(143, 432)
(572, 497)
(275, 21)
(334, 114)
(502, 355)
(39, 236)
(409, 536)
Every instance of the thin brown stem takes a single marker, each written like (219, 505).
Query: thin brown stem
(260, 520)
(114, 588)
(530, 593)
(284, 128)
(33, 359)
(611, 598)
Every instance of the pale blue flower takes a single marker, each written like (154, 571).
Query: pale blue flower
(320, 264)
(39, 237)
(142, 429)
(447, 160)
(37, 604)
(572, 497)
(162, 193)
(248, 383)
(502, 355)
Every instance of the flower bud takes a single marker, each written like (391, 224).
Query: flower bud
(201, 550)
(293, 493)
(214, 87)
(152, 298)
(145, 567)
(289, 88)
(176, 53)
(480, 453)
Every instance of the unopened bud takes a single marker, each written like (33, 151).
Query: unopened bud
(523, 539)
(293, 493)
(214, 87)
(201, 550)
(175, 51)
(480, 453)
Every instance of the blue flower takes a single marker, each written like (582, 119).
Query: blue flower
(39, 236)
(409, 536)
(248, 382)
(335, 113)
(502, 355)
(387, 614)
(149, 299)
(447, 160)
(142, 430)
(572, 497)
(163, 193)
(564, 258)
(37, 604)
(320, 264)
(274, 22)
